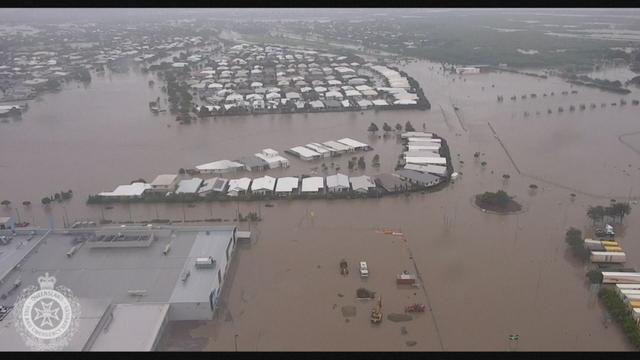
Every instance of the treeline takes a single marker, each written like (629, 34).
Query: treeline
(621, 313)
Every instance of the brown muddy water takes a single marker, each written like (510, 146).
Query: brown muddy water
(484, 276)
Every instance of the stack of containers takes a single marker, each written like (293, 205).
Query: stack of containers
(605, 251)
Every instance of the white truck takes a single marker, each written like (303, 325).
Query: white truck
(364, 269)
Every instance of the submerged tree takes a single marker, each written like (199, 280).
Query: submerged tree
(398, 127)
(408, 127)
(373, 128)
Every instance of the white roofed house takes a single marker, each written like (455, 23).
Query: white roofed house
(287, 185)
(431, 169)
(353, 94)
(189, 186)
(336, 147)
(263, 185)
(317, 105)
(238, 186)
(164, 183)
(337, 182)
(313, 185)
(322, 150)
(292, 96)
(134, 190)
(365, 104)
(213, 185)
(333, 95)
(304, 153)
(219, 167)
(362, 184)
(234, 99)
(355, 144)
(415, 177)
(273, 158)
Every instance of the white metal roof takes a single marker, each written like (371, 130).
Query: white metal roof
(241, 184)
(338, 181)
(189, 186)
(304, 152)
(352, 143)
(363, 182)
(164, 180)
(287, 184)
(431, 169)
(263, 183)
(421, 139)
(410, 134)
(220, 165)
(135, 189)
(312, 184)
(318, 148)
(426, 160)
(336, 146)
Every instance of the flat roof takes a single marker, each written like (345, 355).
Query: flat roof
(133, 327)
(135, 189)
(338, 180)
(353, 143)
(287, 184)
(202, 281)
(417, 176)
(426, 160)
(112, 272)
(220, 165)
(189, 186)
(263, 183)
(432, 169)
(336, 146)
(318, 148)
(409, 134)
(304, 152)
(164, 180)
(312, 184)
(361, 182)
(241, 184)
(91, 312)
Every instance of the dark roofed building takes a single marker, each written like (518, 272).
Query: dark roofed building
(253, 163)
(391, 183)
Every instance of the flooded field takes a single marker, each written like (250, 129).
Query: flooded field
(484, 276)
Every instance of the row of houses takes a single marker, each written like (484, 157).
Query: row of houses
(313, 151)
(263, 160)
(173, 184)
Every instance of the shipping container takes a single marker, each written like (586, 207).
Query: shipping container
(609, 243)
(593, 245)
(636, 315)
(613, 248)
(634, 304)
(608, 257)
(616, 277)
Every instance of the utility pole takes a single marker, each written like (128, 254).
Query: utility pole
(235, 341)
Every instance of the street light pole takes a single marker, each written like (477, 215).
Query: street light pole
(235, 341)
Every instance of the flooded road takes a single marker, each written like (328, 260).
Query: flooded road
(485, 276)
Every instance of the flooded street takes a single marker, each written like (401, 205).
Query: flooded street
(484, 276)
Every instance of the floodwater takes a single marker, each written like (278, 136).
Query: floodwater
(484, 276)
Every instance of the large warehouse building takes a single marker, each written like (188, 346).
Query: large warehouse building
(129, 280)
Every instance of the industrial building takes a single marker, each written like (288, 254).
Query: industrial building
(128, 289)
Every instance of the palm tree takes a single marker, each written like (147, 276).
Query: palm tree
(26, 203)
(620, 210)
(6, 203)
